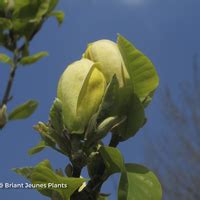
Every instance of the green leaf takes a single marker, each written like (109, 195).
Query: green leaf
(100, 197)
(53, 4)
(5, 23)
(37, 148)
(141, 70)
(142, 184)
(26, 171)
(102, 130)
(42, 10)
(3, 5)
(25, 9)
(59, 15)
(109, 106)
(23, 111)
(56, 116)
(148, 99)
(43, 174)
(113, 159)
(43, 129)
(32, 59)
(135, 119)
(91, 127)
(23, 26)
(5, 59)
(52, 139)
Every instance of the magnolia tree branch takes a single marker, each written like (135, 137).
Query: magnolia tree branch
(93, 187)
(6, 97)
(11, 34)
(14, 65)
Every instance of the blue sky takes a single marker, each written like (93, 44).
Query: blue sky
(167, 31)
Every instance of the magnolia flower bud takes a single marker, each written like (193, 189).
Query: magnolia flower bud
(80, 89)
(3, 116)
(107, 53)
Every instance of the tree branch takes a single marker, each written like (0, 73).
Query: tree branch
(7, 97)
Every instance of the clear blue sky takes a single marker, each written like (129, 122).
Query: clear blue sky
(167, 31)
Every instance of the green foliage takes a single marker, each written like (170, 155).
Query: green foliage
(59, 15)
(43, 9)
(135, 119)
(53, 133)
(106, 117)
(28, 16)
(26, 171)
(136, 182)
(52, 5)
(142, 184)
(32, 59)
(47, 139)
(102, 197)
(44, 175)
(113, 159)
(23, 111)
(5, 59)
(56, 116)
(108, 106)
(5, 24)
(20, 21)
(37, 148)
(24, 18)
(143, 75)
(51, 139)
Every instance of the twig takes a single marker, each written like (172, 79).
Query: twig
(7, 97)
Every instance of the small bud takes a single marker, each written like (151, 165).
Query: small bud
(3, 116)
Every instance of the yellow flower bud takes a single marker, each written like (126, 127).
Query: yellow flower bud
(80, 89)
(108, 54)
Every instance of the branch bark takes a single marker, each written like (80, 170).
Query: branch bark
(6, 97)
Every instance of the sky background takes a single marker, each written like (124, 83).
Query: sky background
(166, 31)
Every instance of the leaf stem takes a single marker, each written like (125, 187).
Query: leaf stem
(115, 140)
